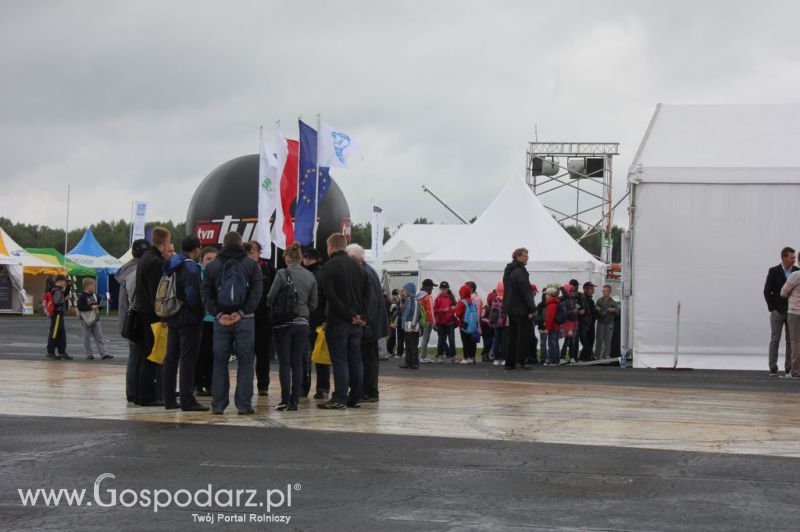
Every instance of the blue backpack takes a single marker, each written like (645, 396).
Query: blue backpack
(232, 287)
(470, 321)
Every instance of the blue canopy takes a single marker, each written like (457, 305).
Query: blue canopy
(91, 254)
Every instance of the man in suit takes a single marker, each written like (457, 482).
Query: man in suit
(778, 307)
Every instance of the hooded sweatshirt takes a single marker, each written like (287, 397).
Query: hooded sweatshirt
(443, 310)
(126, 277)
(464, 294)
(551, 309)
(409, 309)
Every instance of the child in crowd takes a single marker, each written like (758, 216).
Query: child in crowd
(534, 351)
(444, 311)
(410, 313)
(56, 307)
(89, 310)
(550, 329)
(568, 315)
(487, 333)
(498, 321)
(467, 315)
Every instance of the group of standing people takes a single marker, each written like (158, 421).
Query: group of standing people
(506, 322)
(219, 305)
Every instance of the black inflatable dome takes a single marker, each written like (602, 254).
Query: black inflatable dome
(227, 200)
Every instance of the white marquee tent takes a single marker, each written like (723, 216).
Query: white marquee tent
(516, 218)
(714, 196)
(424, 239)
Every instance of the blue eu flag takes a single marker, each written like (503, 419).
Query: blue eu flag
(307, 184)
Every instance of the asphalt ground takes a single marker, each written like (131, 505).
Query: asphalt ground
(355, 481)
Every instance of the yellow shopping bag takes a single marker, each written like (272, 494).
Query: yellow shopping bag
(159, 352)
(320, 355)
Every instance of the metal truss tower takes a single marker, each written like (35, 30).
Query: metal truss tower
(584, 168)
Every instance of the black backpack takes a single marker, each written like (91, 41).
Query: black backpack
(284, 308)
(233, 286)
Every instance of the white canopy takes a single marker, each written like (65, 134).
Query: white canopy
(714, 195)
(516, 218)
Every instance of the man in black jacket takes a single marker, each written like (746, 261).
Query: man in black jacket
(264, 349)
(185, 328)
(778, 307)
(518, 305)
(345, 286)
(148, 274)
(312, 261)
(587, 316)
(231, 291)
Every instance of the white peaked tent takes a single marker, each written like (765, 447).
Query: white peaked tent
(516, 218)
(715, 192)
(399, 266)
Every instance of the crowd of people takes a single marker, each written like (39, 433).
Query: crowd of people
(571, 325)
(219, 305)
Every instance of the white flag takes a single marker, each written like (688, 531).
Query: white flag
(335, 147)
(266, 198)
(377, 232)
(139, 219)
(282, 153)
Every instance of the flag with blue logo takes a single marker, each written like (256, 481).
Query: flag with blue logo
(336, 146)
(305, 213)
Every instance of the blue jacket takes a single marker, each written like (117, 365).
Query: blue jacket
(187, 286)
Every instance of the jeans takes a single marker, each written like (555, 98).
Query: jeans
(446, 334)
(344, 344)
(552, 347)
(291, 343)
(238, 339)
(426, 338)
(130, 372)
(182, 346)
(498, 345)
(778, 322)
(487, 334)
(470, 347)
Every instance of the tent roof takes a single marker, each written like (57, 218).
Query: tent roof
(30, 264)
(91, 254)
(516, 218)
(720, 144)
(55, 257)
(127, 256)
(424, 239)
(400, 258)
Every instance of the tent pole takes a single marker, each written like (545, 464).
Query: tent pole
(66, 229)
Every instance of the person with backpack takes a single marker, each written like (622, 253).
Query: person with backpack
(410, 314)
(498, 322)
(264, 348)
(430, 322)
(567, 317)
(55, 304)
(550, 329)
(291, 298)
(89, 306)
(518, 306)
(346, 290)
(469, 328)
(231, 291)
(178, 301)
(444, 311)
(148, 277)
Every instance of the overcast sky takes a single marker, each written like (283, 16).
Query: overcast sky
(141, 100)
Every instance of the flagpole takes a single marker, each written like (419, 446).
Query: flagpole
(130, 233)
(316, 189)
(279, 179)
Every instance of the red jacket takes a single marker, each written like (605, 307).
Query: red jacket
(443, 310)
(465, 292)
(550, 311)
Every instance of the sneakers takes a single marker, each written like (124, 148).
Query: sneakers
(52, 355)
(263, 393)
(195, 407)
(573, 361)
(333, 404)
(281, 407)
(425, 360)
(787, 376)
(107, 357)
(498, 362)
(321, 395)
(370, 399)
(246, 412)
(292, 407)
(464, 361)
(89, 357)
(65, 356)
(771, 373)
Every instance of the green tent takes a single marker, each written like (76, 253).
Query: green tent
(53, 256)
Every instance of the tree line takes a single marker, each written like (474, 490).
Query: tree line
(114, 236)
